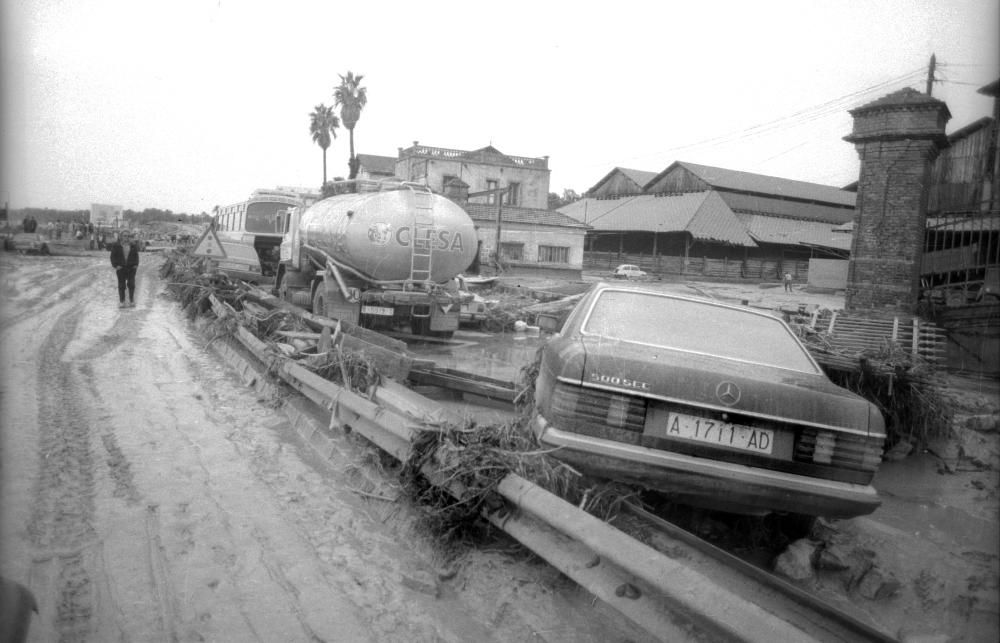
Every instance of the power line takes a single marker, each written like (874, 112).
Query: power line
(835, 105)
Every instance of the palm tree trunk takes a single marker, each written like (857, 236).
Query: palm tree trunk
(324, 169)
(351, 163)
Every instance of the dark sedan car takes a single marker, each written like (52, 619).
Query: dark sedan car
(719, 406)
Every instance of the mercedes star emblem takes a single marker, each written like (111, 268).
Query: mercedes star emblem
(728, 393)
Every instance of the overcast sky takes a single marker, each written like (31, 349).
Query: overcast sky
(187, 104)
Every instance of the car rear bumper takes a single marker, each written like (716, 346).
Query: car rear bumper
(708, 483)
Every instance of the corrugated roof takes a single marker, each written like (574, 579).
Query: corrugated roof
(723, 179)
(704, 214)
(765, 229)
(715, 221)
(378, 164)
(639, 177)
(514, 214)
(971, 128)
(754, 204)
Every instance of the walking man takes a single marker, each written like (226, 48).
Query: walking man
(788, 282)
(125, 261)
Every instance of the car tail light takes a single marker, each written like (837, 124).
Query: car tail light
(573, 405)
(845, 450)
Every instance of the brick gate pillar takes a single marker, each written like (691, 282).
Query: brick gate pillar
(897, 137)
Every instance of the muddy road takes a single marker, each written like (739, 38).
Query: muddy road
(147, 494)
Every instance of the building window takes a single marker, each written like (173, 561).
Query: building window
(491, 184)
(445, 179)
(553, 254)
(512, 251)
(514, 194)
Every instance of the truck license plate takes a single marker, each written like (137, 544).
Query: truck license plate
(377, 310)
(725, 434)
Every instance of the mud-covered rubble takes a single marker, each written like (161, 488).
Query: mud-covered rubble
(830, 552)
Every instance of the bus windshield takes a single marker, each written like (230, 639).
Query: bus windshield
(261, 217)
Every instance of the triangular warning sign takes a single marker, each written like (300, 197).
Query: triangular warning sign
(209, 246)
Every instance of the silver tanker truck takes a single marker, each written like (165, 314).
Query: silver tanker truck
(384, 255)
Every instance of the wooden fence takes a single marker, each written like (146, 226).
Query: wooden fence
(849, 334)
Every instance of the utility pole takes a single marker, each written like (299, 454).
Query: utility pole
(930, 74)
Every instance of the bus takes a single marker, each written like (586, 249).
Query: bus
(250, 231)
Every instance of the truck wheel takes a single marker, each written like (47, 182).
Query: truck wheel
(319, 301)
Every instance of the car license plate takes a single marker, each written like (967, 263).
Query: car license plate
(725, 434)
(377, 310)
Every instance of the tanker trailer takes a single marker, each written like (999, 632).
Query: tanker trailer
(384, 256)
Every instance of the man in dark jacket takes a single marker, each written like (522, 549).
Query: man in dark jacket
(125, 261)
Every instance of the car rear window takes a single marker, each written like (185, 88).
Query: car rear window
(692, 326)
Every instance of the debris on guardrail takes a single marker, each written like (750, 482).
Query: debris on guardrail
(469, 459)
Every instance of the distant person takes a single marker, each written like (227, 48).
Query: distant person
(125, 261)
(788, 282)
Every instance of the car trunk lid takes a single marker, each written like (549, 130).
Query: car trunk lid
(721, 384)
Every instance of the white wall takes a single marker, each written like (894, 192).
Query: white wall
(828, 273)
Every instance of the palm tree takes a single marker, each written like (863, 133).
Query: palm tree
(323, 125)
(351, 98)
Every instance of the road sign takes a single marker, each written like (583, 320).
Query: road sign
(209, 245)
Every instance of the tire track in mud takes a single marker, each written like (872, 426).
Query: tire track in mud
(64, 291)
(61, 525)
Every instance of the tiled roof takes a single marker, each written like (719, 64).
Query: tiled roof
(724, 179)
(765, 229)
(704, 214)
(513, 214)
(754, 204)
(378, 164)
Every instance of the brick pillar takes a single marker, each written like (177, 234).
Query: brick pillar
(897, 137)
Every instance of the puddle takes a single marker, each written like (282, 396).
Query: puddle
(920, 500)
(498, 356)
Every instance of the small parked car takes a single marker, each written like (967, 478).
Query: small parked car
(628, 271)
(716, 405)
